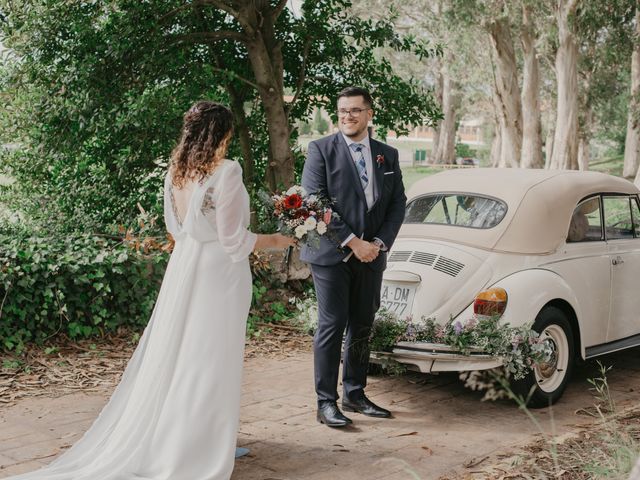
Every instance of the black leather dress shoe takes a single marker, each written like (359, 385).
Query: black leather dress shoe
(365, 406)
(331, 416)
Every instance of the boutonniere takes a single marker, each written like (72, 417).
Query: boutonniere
(380, 160)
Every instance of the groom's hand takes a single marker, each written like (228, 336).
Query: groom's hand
(364, 251)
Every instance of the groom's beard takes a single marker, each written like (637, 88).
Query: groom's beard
(355, 134)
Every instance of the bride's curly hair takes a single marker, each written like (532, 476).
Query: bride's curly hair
(207, 130)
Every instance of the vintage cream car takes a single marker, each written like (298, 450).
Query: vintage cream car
(559, 249)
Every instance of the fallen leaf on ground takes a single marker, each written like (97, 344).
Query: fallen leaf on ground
(403, 435)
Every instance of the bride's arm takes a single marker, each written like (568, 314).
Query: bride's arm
(273, 240)
(235, 238)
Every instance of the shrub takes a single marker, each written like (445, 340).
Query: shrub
(78, 285)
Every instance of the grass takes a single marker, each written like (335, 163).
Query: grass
(411, 175)
(612, 165)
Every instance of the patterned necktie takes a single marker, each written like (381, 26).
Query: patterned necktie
(361, 165)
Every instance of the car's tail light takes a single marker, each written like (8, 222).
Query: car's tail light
(491, 302)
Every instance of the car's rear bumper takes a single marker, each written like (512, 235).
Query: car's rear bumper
(436, 357)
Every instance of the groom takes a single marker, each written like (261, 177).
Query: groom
(362, 178)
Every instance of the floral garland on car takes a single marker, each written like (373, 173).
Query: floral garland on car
(520, 348)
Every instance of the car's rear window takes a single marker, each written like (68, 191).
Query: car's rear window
(461, 209)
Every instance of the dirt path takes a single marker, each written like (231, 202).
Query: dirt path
(439, 427)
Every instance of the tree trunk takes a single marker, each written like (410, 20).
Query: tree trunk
(446, 152)
(584, 153)
(496, 144)
(269, 83)
(584, 149)
(506, 80)
(585, 122)
(632, 141)
(241, 128)
(438, 96)
(531, 156)
(635, 472)
(565, 142)
(264, 49)
(549, 118)
(548, 148)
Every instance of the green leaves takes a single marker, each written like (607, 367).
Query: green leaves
(80, 286)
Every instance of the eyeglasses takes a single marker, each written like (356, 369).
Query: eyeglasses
(354, 112)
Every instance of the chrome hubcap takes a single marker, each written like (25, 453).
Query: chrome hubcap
(547, 369)
(550, 375)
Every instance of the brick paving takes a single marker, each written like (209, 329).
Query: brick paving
(438, 425)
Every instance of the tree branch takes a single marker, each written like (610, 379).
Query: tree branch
(301, 75)
(175, 11)
(219, 4)
(277, 10)
(322, 78)
(211, 37)
(201, 3)
(223, 6)
(236, 77)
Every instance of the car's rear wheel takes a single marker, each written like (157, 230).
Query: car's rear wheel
(548, 380)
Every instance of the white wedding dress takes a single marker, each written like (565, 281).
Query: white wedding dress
(175, 413)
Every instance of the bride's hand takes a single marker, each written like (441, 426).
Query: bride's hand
(282, 241)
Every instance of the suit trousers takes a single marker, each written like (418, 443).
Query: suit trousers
(348, 297)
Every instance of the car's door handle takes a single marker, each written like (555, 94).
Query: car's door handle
(617, 261)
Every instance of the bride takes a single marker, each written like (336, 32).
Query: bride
(175, 413)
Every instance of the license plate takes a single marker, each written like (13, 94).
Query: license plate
(397, 298)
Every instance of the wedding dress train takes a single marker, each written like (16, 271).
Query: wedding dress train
(175, 413)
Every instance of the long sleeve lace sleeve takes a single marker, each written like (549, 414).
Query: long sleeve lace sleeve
(169, 215)
(232, 214)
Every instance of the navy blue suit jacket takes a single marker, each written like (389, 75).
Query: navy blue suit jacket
(329, 171)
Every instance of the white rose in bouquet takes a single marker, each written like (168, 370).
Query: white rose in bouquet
(297, 189)
(300, 231)
(310, 223)
(321, 227)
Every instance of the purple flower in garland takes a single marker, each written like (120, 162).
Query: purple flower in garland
(457, 328)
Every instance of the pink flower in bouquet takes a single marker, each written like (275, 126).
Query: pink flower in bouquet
(327, 216)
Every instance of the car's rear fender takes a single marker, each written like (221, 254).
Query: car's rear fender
(529, 291)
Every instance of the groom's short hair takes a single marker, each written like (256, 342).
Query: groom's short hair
(356, 92)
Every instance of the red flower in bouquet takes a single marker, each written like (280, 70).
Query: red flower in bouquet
(292, 201)
(302, 213)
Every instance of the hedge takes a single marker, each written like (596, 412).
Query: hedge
(80, 286)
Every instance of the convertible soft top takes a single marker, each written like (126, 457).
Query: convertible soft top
(539, 205)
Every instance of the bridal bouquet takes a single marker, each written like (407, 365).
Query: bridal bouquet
(301, 215)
